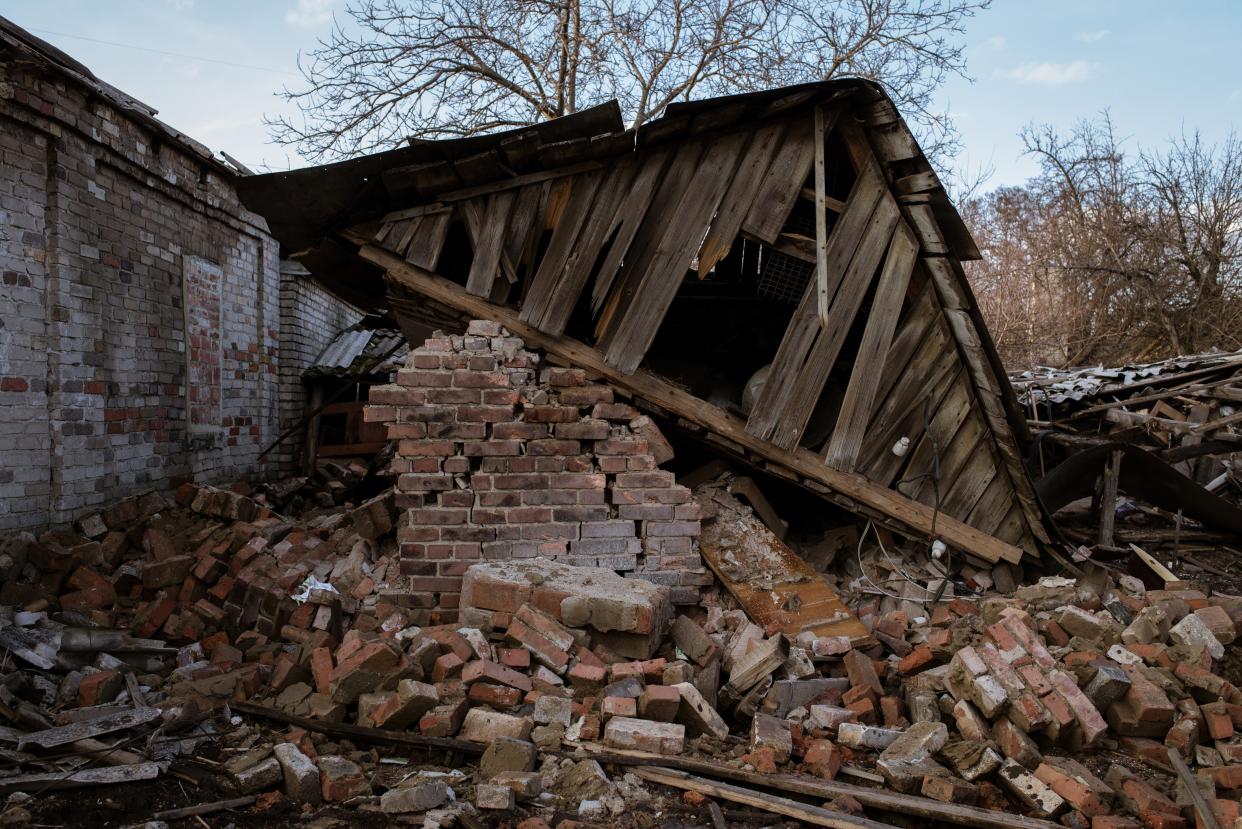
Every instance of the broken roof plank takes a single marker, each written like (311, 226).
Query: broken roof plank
(856, 408)
(854, 284)
(782, 183)
(919, 518)
(660, 270)
(804, 328)
(108, 776)
(740, 196)
(65, 734)
(814, 815)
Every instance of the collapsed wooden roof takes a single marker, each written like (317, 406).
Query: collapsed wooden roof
(799, 229)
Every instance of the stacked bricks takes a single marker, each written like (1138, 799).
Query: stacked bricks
(499, 459)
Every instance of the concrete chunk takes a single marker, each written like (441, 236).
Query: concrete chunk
(1030, 790)
(300, 772)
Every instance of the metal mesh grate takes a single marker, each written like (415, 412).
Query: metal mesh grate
(783, 277)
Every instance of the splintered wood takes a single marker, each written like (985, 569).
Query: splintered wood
(773, 585)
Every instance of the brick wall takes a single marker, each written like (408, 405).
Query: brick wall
(102, 216)
(500, 459)
(310, 319)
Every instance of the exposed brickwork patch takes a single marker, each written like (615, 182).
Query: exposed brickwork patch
(499, 458)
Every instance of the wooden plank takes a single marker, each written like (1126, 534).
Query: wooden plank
(814, 815)
(854, 285)
(819, 789)
(660, 213)
(804, 327)
(628, 220)
(924, 222)
(910, 333)
(955, 454)
(969, 487)
(901, 415)
(65, 734)
(1108, 498)
(524, 226)
(489, 244)
(947, 416)
(662, 268)
(586, 249)
(821, 221)
(916, 183)
(560, 248)
(679, 402)
(107, 776)
(846, 439)
(782, 183)
(740, 196)
(993, 504)
(1207, 816)
(425, 248)
(989, 398)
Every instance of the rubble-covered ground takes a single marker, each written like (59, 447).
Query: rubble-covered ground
(210, 654)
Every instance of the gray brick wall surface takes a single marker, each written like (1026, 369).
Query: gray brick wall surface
(100, 218)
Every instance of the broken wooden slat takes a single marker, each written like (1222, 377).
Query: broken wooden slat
(847, 435)
(782, 183)
(628, 220)
(876, 798)
(524, 226)
(804, 327)
(1108, 498)
(821, 221)
(965, 492)
(65, 734)
(989, 398)
(572, 279)
(928, 378)
(947, 416)
(108, 776)
(205, 808)
(661, 267)
(489, 243)
(955, 453)
(854, 284)
(924, 222)
(918, 517)
(740, 196)
(916, 183)
(560, 248)
(771, 803)
(424, 249)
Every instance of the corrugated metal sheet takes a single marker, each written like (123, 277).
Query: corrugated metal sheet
(355, 351)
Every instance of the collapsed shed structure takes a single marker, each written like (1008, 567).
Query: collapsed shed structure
(778, 271)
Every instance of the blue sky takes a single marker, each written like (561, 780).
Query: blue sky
(1159, 67)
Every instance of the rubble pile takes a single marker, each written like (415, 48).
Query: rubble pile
(1061, 700)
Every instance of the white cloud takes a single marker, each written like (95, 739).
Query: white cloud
(996, 43)
(310, 12)
(1092, 37)
(1051, 73)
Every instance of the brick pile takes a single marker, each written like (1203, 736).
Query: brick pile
(499, 458)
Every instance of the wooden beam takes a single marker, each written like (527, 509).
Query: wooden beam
(873, 798)
(919, 518)
(1108, 498)
(823, 298)
(814, 815)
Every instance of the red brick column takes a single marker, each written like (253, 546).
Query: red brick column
(499, 459)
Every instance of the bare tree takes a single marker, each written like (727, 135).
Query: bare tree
(430, 69)
(1108, 257)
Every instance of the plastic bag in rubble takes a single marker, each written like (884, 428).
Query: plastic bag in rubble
(310, 584)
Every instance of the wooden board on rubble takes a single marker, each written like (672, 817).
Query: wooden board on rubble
(803, 602)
